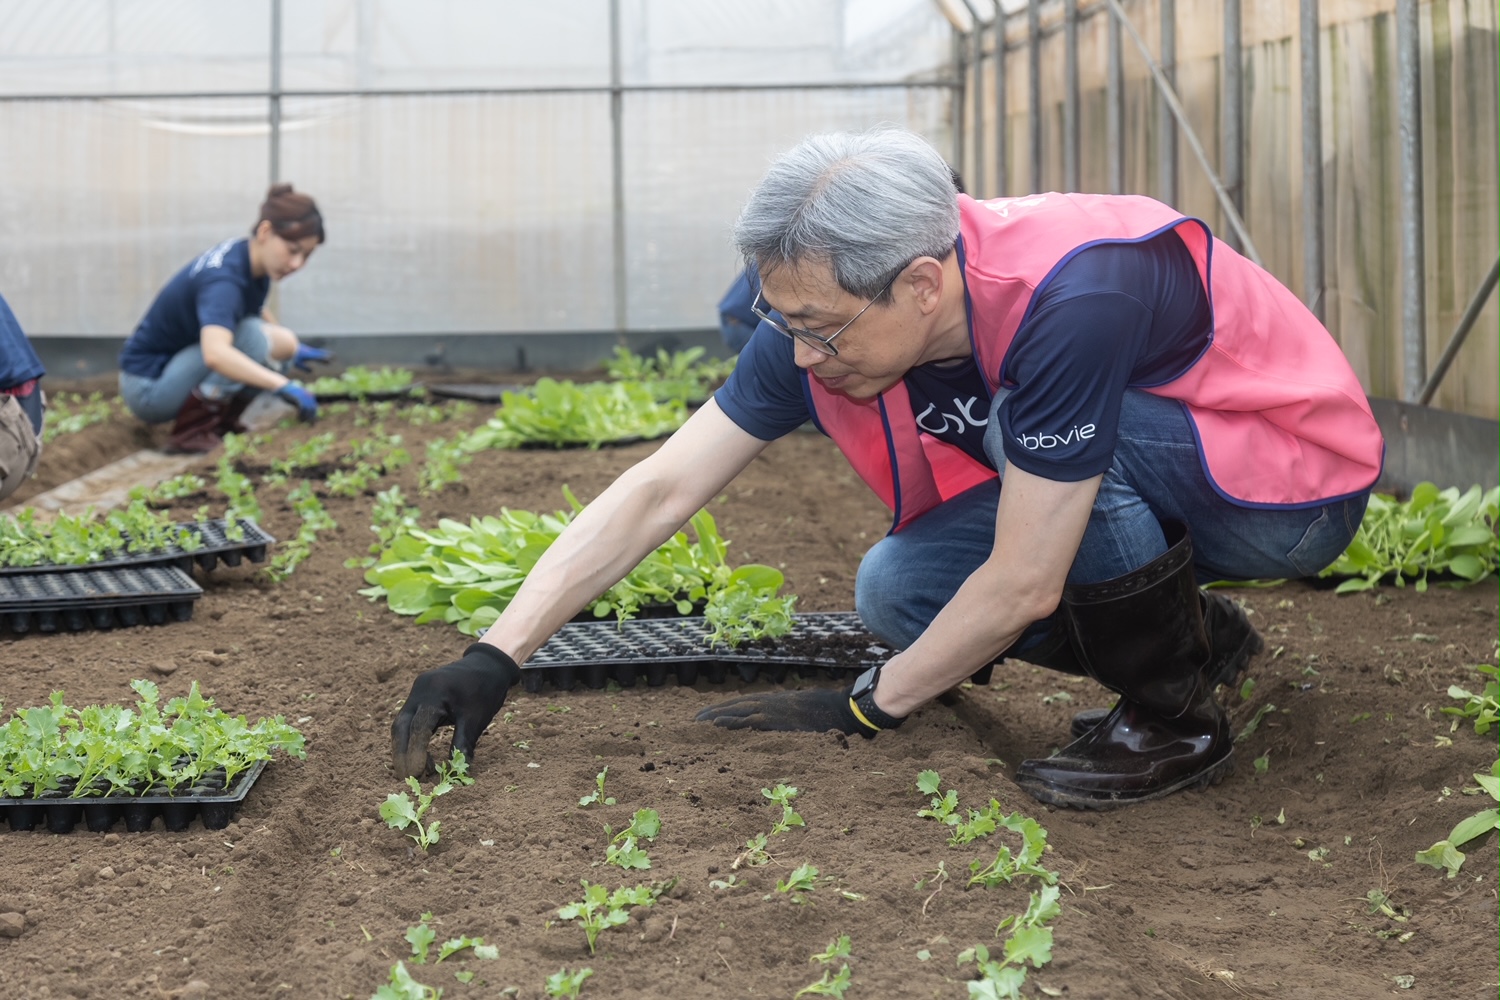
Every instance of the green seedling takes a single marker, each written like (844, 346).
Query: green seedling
(838, 948)
(563, 983)
(601, 909)
(623, 849)
(597, 795)
(803, 879)
(403, 987)
(832, 984)
(944, 806)
(783, 795)
(1445, 854)
(1007, 866)
(1483, 708)
(754, 855)
(421, 937)
(1379, 902)
(1028, 940)
(400, 811)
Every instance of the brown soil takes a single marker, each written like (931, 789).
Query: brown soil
(307, 893)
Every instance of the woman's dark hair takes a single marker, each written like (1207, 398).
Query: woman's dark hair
(292, 215)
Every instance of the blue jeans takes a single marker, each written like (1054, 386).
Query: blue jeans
(157, 400)
(907, 578)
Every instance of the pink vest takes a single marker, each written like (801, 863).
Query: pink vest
(1281, 418)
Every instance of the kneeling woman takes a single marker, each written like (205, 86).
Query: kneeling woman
(207, 346)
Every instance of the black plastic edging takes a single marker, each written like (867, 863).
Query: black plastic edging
(78, 599)
(61, 814)
(217, 547)
(599, 652)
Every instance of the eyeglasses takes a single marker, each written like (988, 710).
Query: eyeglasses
(823, 345)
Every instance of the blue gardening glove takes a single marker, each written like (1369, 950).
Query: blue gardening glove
(306, 403)
(306, 354)
(465, 694)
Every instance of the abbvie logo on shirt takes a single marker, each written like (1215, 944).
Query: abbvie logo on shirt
(1039, 442)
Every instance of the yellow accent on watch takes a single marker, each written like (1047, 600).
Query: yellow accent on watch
(854, 707)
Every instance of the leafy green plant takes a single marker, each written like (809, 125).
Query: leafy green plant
(444, 465)
(116, 750)
(597, 795)
(1029, 940)
(622, 849)
(90, 537)
(401, 811)
(563, 414)
(678, 375)
(1483, 708)
(746, 607)
(360, 381)
(831, 984)
(601, 909)
(783, 795)
(315, 519)
(468, 574)
(70, 412)
(1445, 853)
(1436, 531)
(564, 983)
(402, 986)
(1006, 867)
(944, 805)
(802, 880)
(421, 938)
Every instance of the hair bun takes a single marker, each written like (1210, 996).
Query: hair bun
(278, 189)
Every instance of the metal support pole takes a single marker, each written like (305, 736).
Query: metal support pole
(1071, 180)
(1114, 109)
(960, 88)
(1170, 96)
(275, 95)
(976, 35)
(1312, 162)
(1413, 252)
(1167, 137)
(1460, 334)
(617, 164)
(1034, 87)
(1231, 138)
(1002, 181)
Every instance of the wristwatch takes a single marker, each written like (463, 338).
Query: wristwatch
(862, 703)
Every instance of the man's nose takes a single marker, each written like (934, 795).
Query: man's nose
(807, 356)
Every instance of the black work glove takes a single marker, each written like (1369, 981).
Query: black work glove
(465, 694)
(816, 710)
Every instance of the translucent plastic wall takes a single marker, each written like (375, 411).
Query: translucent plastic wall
(464, 152)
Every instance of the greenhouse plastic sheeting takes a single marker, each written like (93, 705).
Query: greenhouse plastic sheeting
(461, 151)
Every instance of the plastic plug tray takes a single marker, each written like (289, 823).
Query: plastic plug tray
(827, 644)
(217, 547)
(78, 599)
(58, 813)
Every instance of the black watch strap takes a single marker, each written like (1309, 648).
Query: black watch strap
(862, 703)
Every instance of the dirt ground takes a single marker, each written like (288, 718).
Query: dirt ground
(1254, 888)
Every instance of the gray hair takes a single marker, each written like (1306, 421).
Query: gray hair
(867, 203)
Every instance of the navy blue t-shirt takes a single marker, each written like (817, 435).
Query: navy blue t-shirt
(1116, 315)
(214, 290)
(18, 361)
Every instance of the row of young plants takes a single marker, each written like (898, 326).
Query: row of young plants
(1435, 532)
(187, 744)
(998, 973)
(467, 574)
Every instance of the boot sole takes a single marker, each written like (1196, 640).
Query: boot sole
(1212, 775)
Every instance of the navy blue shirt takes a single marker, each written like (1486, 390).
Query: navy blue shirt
(18, 361)
(214, 290)
(1115, 315)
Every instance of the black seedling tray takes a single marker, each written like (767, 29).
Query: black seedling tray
(77, 599)
(59, 814)
(217, 547)
(603, 651)
(478, 392)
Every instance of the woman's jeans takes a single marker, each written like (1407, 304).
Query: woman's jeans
(1157, 475)
(157, 400)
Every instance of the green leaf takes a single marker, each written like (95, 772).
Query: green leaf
(1476, 825)
(928, 782)
(421, 937)
(398, 811)
(412, 596)
(1442, 855)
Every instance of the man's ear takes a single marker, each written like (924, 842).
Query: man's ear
(924, 276)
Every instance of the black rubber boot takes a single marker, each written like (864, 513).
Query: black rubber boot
(1234, 641)
(230, 423)
(195, 432)
(1143, 636)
